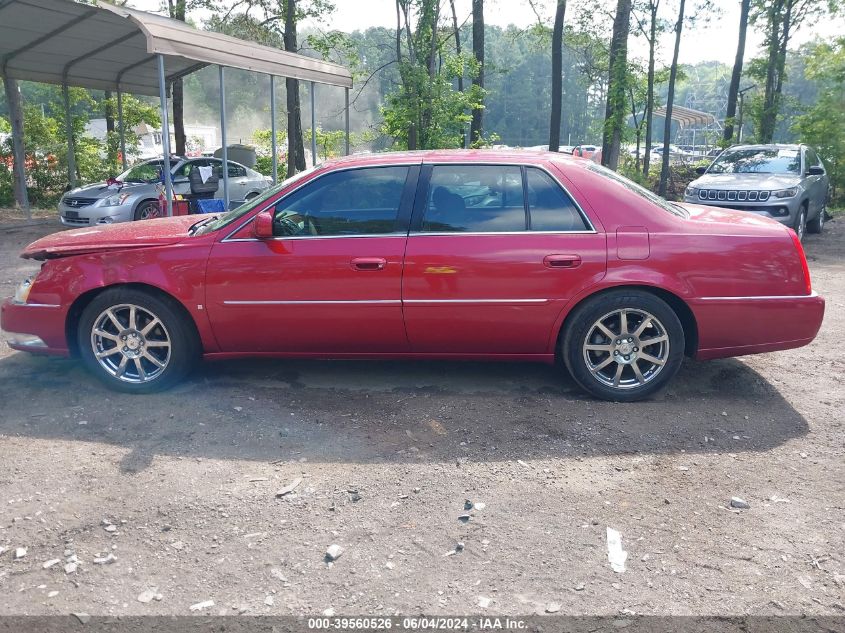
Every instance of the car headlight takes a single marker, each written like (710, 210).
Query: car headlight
(786, 193)
(691, 191)
(22, 292)
(116, 200)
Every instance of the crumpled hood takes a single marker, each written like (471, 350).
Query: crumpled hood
(103, 190)
(111, 237)
(728, 182)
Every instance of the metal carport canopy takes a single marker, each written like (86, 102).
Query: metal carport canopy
(107, 47)
(687, 116)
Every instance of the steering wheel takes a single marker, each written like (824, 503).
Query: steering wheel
(286, 226)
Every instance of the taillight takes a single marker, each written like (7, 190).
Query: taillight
(808, 286)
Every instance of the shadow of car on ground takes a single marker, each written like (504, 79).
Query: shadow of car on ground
(351, 411)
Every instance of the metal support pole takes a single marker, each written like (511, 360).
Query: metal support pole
(313, 129)
(739, 125)
(273, 129)
(346, 109)
(13, 98)
(71, 147)
(122, 130)
(165, 137)
(223, 139)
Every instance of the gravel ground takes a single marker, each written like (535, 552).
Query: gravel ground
(171, 498)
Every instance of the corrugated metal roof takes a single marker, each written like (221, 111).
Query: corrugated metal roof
(687, 116)
(99, 47)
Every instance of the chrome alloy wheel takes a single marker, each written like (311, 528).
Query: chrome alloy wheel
(626, 348)
(130, 343)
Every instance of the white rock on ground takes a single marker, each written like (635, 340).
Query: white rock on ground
(148, 595)
(615, 554)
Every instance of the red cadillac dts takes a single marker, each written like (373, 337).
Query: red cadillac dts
(466, 255)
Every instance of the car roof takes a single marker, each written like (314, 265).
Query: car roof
(516, 156)
(178, 160)
(768, 146)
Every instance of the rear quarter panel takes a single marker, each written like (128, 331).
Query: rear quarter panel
(716, 262)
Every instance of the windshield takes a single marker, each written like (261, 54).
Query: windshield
(757, 161)
(674, 209)
(227, 218)
(144, 172)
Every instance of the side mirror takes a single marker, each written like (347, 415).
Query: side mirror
(815, 170)
(700, 170)
(262, 225)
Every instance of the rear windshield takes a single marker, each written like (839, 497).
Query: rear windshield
(757, 161)
(674, 209)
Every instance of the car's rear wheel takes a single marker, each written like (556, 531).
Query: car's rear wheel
(623, 345)
(816, 225)
(147, 210)
(801, 222)
(135, 341)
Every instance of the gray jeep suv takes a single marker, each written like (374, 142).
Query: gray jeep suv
(785, 182)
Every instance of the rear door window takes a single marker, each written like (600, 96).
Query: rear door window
(551, 209)
(474, 199)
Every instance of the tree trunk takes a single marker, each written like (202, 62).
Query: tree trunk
(667, 124)
(13, 98)
(296, 149)
(557, 77)
(733, 90)
(177, 12)
(457, 42)
(457, 31)
(649, 106)
(769, 112)
(476, 125)
(638, 126)
(614, 120)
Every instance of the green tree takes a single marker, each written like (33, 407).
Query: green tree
(780, 20)
(617, 88)
(426, 111)
(823, 124)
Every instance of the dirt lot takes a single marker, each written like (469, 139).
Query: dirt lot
(388, 453)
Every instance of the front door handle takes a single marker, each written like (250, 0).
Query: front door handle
(562, 261)
(368, 263)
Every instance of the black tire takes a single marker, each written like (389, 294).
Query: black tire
(816, 225)
(801, 222)
(640, 306)
(250, 196)
(146, 210)
(175, 361)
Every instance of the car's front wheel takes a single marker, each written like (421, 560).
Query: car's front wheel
(623, 345)
(801, 222)
(147, 210)
(135, 341)
(816, 225)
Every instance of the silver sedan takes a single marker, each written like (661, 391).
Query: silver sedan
(135, 194)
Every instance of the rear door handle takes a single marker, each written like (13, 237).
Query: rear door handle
(562, 261)
(368, 263)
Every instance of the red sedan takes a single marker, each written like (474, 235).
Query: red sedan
(469, 255)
